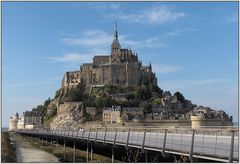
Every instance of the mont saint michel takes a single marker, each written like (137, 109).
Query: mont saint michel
(112, 82)
(116, 90)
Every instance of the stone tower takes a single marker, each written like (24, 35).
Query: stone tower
(115, 47)
(13, 122)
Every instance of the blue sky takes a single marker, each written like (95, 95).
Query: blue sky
(193, 47)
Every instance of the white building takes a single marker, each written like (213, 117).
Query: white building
(29, 120)
(112, 115)
(13, 122)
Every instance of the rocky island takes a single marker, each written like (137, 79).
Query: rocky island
(117, 90)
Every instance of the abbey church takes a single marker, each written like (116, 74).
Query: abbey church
(121, 68)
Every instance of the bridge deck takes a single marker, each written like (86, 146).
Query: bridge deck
(207, 144)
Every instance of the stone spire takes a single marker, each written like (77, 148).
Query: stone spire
(116, 31)
(115, 47)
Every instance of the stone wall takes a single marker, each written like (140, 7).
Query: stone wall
(93, 111)
(200, 121)
(160, 123)
(68, 106)
(98, 60)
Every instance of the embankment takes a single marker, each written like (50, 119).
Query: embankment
(8, 151)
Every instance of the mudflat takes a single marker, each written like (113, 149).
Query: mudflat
(27, 153)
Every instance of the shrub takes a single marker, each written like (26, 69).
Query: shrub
(57, 94)
(147, 107)
(180, 97)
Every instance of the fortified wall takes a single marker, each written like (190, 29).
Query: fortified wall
(200, 121)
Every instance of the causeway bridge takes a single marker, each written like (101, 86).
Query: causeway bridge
(220, 144)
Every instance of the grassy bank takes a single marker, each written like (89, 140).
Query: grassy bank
(8, 151)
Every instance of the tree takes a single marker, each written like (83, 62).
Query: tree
(51, 114)
(180, 97)
(142, 93)
(130, 97)
(157, 101)
(40, 108)
(57, 94)
(74, 95)
(147, 107)
(146, 93)
(47, 102)
(104, 101)
(155, 88)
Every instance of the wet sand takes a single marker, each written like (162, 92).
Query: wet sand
(27, 153)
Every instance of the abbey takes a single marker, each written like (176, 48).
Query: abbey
(121, 68)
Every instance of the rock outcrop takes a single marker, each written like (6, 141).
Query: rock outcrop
(72, 119)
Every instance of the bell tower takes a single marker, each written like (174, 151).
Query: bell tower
(115, 47)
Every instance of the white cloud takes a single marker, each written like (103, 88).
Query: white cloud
(148, 43)
(97, 42)
(100, 40)
(90, 38)
(153, 15)
(163, 68)
(72, 57)
(179, 31)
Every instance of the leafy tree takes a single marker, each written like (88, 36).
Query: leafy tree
(146, 93)
(155, 88)
(142, 93)
(51, 114)
(104, 101)
(47, 102)
(74, 95)
(138, 93)
(180, 97)
(157, 101)
(130, 97)
(147, 107)
(57, 94)
(89, 102)
(40, 108)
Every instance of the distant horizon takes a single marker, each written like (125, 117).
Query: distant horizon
(191, 51)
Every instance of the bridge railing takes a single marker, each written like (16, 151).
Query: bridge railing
(213, 142)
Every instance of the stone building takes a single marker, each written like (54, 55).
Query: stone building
(129, 113)
(106, 114)
(32, 118)
(29, 118)
(121, 67)
(118, 114)
(21, 123)
(112, 115)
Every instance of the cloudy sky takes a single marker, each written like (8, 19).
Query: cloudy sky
(193, 47)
